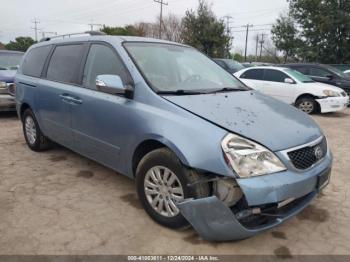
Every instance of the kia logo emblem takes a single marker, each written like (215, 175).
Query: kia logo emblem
(318, 152)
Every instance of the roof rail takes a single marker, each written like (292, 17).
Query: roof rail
(92, 33)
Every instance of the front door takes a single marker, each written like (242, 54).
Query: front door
(100, 122)
(275, 86)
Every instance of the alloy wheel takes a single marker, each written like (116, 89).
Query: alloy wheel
(30, 129)
(307, 107)
(163, 190)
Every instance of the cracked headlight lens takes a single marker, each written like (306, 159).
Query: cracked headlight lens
(249, 159)
(330, 93)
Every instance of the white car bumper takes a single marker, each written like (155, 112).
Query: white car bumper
(333, 104)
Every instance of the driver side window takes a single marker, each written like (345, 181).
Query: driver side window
(102, 60)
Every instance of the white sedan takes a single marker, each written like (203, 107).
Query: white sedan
(295, 88)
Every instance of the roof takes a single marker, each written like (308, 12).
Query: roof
(266, 67)
(107, 38)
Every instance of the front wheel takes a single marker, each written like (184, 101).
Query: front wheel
(162, 182)
(307, 104)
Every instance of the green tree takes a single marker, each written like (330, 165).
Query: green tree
(202, 30)
(20, 44)
(323, 30)
(285, 36)
(129, 30)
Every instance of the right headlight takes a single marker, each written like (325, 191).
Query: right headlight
(249, 159)
(331, 93)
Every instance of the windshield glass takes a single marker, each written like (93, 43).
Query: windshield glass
(10, 61)
(171, 68)
(336, 71)
(234, 65)
(299, 76)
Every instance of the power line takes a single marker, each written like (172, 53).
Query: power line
(161, 2)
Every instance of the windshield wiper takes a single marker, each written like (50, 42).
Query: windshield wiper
(181, 92)
(226, 89)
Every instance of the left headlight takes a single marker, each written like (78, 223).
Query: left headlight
(249, 159)
(331, 93)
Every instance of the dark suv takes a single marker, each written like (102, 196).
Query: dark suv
(324, 73)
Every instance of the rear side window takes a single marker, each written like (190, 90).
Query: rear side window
(34, 61)
(64, 64)
(274, 76)
(102, 60)
(255, 74)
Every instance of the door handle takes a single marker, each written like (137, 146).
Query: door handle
(72, 100)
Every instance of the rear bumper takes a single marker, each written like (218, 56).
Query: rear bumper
(333, 104)
(7, 103)
(214, 221)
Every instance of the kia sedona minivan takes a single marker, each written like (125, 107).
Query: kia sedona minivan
(203, 148)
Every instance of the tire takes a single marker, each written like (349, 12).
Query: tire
(35, 139)
(307, 104)
(164, 158)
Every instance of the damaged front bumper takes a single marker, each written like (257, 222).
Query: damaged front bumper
(333, 104)
(277, 197)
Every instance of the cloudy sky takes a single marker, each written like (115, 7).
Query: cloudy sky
(67, 16)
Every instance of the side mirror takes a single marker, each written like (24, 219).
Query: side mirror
(111, 84)
(289, 81)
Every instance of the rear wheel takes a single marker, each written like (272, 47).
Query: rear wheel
(162, 182)
(307, 105)
(32, 133)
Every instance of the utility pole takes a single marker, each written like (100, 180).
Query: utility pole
(228, 32)
(256, 47)
(35, 28)
(161, 2)
(262, 41)
(246, 41)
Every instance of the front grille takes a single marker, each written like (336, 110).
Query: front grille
(305, 157)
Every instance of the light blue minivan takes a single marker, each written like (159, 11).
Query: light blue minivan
(203, 148)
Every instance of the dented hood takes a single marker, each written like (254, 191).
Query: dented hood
(253, 115)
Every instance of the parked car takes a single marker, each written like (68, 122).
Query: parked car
(294, 88)
(9, 62)
(342, 67)
(229, 65)
(203, 148)
(253, 64)
(324, 74)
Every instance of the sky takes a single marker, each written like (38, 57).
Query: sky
(69, 16)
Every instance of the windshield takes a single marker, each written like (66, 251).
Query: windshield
(173, 68)
(336, 71)
(10, 61)
(234, 65)
(299, 76)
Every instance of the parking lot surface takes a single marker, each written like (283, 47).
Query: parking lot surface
(58, 202)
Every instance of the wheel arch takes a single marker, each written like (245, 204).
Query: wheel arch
(23, 108)
(148, 145)
(308, 95)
